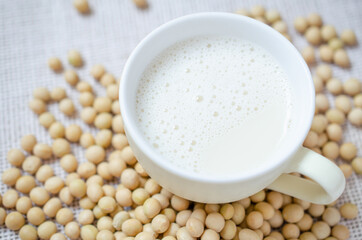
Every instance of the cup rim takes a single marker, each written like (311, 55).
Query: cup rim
(131, 127)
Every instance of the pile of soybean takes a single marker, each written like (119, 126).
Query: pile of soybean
(140, 209)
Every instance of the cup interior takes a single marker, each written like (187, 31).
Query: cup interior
(230, 25)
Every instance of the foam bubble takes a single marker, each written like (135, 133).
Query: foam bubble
(198, 89)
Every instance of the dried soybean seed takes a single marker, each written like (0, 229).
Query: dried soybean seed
(25, 184)
(311, 140)
(109, 190)
(56, 130)
(71, 77)
(15, 157)
(349, 37)
(321, 102)
(28, 232)
(257, 11)
(314, 20)
(308, 55)
(254, 220)
(10, 176)
(2, 216)
(86, 169)
(349, 211)
(124, 197)
(290, 231)
(328, 32)
(37, 106)
(35, 216)
(179, 203)
(97, 71)
(86, 140)
(60, 147)
(357, 165)
(73, 133)
(318, 84)
(265, 209)
(66, 106)
(88, 115)
(85, 217)
(88, 232)
(55, 64)
(103, 120)
(23, 205)
(14, 221)
(321, 230)
(95, 154)
(52, 207)
(116, 108)
(280, 26)
(58, 93)
(331, 216)
(54, 184)
(117, 124)
(335, 86)
(102, 104)
(346, 169)
(86, 99)
(82, 6)
(31, 164)
(74, 58)
(131, 227)
(46, 230)
(313, 35)
(305, 223)
(301, 24)
(42, 151)
(324, 71)
(69, 163)
(340, 232)
(341, 58)
(335, 44)
(335, 116)
(160, 224)
(316, 210)
(41, 93)
(107, 79)
(28, 142)
(348, 151)
(104, 138)
(334, 132)
(64, 216)
(10, 198)
(44, 172)
(83, 86)
(39, 196)
(258, 197)
(72, 230)
(112, 92)
(248, 234)
(78, 188)
(326, 53)
(86, 203)
(193, 225)
(352, 87)
(355, 116)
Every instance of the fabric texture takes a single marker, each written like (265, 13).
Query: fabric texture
(33, 31)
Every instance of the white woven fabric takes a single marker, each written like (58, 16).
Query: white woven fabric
(33, 31)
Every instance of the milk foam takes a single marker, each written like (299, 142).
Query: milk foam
(203, 89)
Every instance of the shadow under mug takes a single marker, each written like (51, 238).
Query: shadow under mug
(325, 181)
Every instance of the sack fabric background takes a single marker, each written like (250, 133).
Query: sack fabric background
(33, 31)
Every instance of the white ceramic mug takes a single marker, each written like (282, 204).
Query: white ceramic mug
(328, 180)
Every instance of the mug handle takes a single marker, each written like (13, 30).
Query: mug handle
(328, 180)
